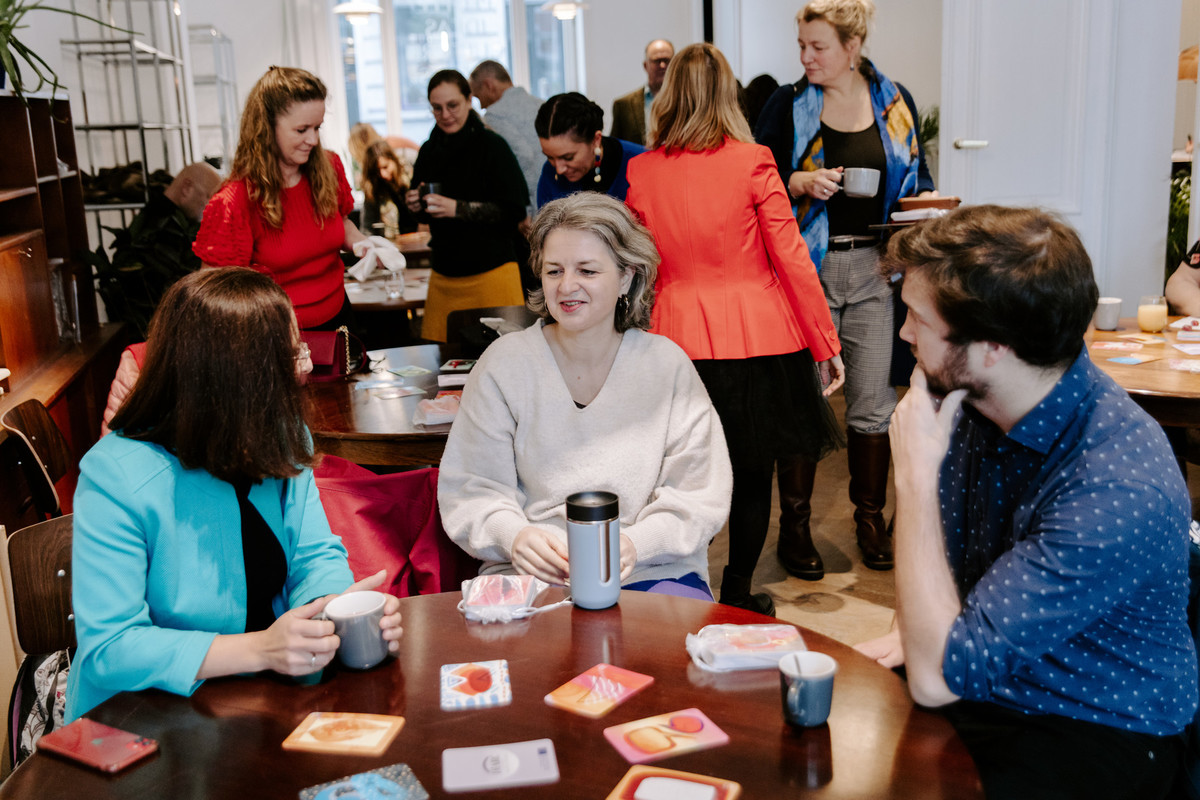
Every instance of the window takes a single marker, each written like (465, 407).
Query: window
(424, 36)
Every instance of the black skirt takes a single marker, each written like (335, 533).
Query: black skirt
(771, 408)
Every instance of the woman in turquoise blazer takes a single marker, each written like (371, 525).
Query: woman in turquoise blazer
(200, 546)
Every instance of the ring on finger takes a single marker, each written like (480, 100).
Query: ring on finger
(313, 663)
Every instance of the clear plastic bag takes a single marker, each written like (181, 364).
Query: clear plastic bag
(501, 598)
(722, 648)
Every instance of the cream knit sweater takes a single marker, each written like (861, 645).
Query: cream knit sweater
(520, 446)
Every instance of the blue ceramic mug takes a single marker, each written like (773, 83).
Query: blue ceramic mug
(806, 685)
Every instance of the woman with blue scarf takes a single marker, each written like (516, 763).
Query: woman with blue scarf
(845, 113)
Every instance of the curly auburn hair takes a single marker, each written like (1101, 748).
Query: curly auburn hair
(257, 157)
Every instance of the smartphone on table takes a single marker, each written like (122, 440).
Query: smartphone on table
(97, 745)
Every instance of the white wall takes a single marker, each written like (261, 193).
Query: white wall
(1185, 91)
(616, 33)
(905, 42)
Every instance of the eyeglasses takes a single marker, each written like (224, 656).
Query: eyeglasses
(303, 353)
(662, 62)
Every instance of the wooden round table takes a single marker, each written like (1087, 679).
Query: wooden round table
(224, 741)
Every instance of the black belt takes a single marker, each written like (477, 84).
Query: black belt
(839, 243)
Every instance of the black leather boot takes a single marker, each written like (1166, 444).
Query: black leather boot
(735, 591)
(795, 549)
(869, 455)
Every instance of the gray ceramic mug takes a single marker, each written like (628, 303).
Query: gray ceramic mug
(860, 181)
(356, 617)
(806, 686)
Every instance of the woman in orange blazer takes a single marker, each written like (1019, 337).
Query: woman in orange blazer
(737, 291)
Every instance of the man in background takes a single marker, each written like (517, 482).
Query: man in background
(156, 249)
(631, 112)
(510, 112)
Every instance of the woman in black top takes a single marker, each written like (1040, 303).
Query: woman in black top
(471, 191)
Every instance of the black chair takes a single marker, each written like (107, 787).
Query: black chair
(463, 327)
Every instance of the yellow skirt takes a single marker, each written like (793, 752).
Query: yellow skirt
(496, 287)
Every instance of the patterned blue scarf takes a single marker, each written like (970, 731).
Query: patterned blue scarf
(898, 131)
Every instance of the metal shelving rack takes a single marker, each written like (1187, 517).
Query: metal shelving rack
(136, 95)
(216, 82)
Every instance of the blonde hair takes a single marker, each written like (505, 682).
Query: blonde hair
(257, 157)
(697, 107)
(849, 18)
(627, 240)
(362, 136)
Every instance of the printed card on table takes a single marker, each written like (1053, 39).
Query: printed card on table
(1133, 359)
(1143, 338)
(1127, 346)
(478, 684)
(458, 365)
(409, 371)
(665, 735)
(598, 690)
(347, 733)
(653, 782)
(396, 782)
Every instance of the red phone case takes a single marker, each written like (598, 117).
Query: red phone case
(106, 748)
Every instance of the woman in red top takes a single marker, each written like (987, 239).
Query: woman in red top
(283, 209)
(737, 291)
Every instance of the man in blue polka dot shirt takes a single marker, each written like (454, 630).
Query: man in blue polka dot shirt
(1041, 521)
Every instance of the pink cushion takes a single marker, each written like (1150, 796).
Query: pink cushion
(392, 522)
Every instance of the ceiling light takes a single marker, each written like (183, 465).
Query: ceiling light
(357, 12)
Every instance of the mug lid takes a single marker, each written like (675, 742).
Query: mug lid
(592, 506)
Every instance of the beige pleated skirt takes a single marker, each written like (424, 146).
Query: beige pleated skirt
(496, 287)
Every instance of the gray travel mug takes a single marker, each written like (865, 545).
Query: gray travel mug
(594, 549)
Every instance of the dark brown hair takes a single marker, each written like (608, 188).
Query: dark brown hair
(218, 387)
(374, 187)
(1019, 277)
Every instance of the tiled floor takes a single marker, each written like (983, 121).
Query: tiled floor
(851, 603)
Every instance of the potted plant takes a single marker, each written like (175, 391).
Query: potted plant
(13, 51)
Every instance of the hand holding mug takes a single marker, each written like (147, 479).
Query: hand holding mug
(820, 184)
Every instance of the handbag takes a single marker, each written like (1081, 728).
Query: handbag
(335, 354)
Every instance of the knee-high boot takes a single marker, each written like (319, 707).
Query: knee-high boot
(869, 455)
(795, 548)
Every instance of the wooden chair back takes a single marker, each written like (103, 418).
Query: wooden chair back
(22, 501)
(36, 567)
(31, 422)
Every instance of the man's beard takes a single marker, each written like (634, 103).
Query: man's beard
(953, 373)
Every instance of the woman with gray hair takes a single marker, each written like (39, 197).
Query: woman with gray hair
(565, 406)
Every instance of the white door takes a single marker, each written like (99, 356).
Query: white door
(1054, 103)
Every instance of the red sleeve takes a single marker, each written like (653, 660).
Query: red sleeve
(789, 256)
(344, 195)
(226, 238)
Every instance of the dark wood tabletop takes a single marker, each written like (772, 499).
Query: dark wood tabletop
(367, 426)
(224, 741)
(1170, 396)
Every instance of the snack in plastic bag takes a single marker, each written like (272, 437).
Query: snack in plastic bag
(721, 648)
(438, 411)
(501, 598)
